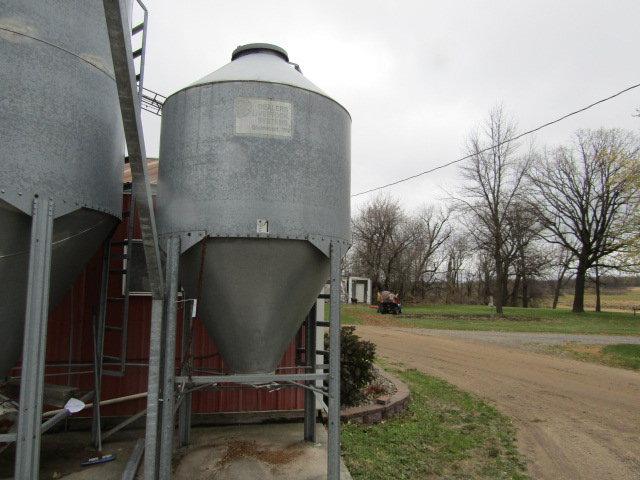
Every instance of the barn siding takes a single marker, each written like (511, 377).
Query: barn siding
(70, 339)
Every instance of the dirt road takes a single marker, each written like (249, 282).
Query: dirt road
(575, 420)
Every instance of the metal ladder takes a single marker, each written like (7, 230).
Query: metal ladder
(141, 28)
(119, 359)
(150, 101)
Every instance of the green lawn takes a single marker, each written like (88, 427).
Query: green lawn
(480, 317)
(621, 355)
(624, 354)
(446, 433)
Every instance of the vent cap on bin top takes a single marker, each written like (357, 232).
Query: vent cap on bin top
(259, 47)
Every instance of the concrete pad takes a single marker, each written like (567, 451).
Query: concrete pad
(274, 451)
(62, 453)
(269, 451)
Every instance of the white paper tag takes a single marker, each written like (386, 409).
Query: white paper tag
(74, 405)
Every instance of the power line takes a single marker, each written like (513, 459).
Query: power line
(528, 132)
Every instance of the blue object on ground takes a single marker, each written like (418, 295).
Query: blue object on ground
(98, 460)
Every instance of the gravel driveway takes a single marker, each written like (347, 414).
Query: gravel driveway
(524, 338)
(576, 420)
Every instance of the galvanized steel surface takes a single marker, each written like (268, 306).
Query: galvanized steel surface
(214, 179)
(256, 158)
(255, 294)
(61, 137)
(76, 237)
(60, 122)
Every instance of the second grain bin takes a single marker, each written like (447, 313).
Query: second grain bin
(254, 176)
(61, 137)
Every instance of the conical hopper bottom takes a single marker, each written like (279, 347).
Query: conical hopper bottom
(76, 237)
(255, 294)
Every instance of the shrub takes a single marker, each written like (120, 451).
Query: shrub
(356, 366)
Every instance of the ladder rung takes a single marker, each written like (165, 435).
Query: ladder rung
(137, 29)
(112, 373)
(112, 358)
(322, 324)
(115, 299)
(324, 295)
(137, 53)
(113, 327)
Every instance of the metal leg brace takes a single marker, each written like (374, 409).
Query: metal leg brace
(310, 361)
(184, 414)
(333, 466)
(27, 462)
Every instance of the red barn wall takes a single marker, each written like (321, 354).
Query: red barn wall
(70, 340)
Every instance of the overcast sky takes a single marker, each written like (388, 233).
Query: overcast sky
(417, 76)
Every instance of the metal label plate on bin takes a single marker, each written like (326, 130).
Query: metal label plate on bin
(263, 117)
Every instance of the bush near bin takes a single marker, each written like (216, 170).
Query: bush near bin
(356, 366)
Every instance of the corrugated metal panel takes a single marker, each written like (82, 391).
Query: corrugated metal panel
(70, 340)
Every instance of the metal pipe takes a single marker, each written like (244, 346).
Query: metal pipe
(34, 347)
(333, 460)
(310, 360)
(184, 415)
(98, 344)
(124, 423)
(252, 378)
(111, 401)
(133, 463)
(78, 365)
(168, 389)
(61, 415)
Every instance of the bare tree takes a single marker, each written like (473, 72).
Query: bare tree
(494, 176)
(563, 259)
(426, 255)
(524, 258)
(373, 231)
(457, 252)
(584, 197)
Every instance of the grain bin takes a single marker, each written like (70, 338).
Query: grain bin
(254, 177)
(62, 138)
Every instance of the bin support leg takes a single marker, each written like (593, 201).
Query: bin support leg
(98, 347)
(184, 414)
(333, 463)
(27, 463)
(153, 389)
(168, 389)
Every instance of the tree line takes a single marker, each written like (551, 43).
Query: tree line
(523, 220)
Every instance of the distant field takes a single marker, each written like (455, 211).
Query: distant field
(480, 317)
(623, 300)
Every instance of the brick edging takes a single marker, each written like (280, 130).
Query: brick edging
(370, 414)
